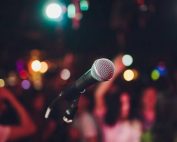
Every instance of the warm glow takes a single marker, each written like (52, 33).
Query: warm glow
(2, 83)
(12, 79)
(36, 65)
(136, 73)
(44, 67)
(128, 75)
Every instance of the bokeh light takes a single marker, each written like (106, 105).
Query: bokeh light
(20, 65)
(23, 74)
(53, 10)
(71, 11)
(162, 70)
(38, 84)
(26, 84)
(35, 53)
(136, 74)
(127, 60)
(128, 75)
(65, 74)
(36, 65)
(44, 67)
(143, 8)
(155, 74)
(2, 83)
(12, 79)
(84, 5)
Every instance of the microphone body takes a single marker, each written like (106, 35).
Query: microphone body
(71, 92)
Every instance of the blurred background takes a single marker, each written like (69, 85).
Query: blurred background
(46, 45)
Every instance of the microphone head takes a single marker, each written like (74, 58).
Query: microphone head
(102, 69)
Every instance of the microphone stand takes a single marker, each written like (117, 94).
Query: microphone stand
(70, 111)
(51, 106)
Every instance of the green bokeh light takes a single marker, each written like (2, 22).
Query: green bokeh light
(71, 11)
(84, 5)
(155, 75)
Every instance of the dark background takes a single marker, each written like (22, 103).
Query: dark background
(108, 28)
(24, 28)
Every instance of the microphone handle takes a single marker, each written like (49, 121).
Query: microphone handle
(71, 92)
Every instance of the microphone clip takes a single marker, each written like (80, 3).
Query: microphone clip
(71, 111)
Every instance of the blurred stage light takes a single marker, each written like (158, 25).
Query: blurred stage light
(143, 8)
(162, 70)
(127, 60)
(23, 74)
(36, 65)
(71, 11)
(128, 75)
(38, 84)
(84, 5)
(155, 75)
(53, 10)
(26, 84)
(12, 79)
(44, 67)
(136, 74)
(2, 83)
(65, 74)
(35, 53)
(20, 65)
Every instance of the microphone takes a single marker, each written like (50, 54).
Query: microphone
(101, 70)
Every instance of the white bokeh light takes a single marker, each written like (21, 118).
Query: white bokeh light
(53, 10)
(127, 60)
(36, 65)
(65, 74)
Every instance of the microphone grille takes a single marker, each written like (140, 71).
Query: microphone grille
(102, 69)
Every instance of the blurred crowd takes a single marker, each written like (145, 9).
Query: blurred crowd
(107, 112)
